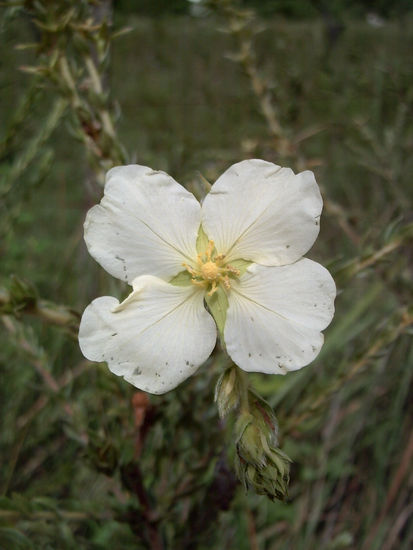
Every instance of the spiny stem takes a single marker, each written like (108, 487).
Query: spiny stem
(98, 88)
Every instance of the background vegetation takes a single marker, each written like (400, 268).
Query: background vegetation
(88, 462)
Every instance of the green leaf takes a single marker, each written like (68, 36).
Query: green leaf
(218, 305)
(182, 279)
(10, 538)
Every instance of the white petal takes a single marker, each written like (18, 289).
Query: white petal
(261, 212)
(275, 316)
(155, 339)
(146, 223)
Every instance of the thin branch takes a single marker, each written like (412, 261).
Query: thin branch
(241, 25)
(383, 341)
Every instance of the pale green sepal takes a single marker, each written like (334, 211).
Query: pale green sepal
(228, 391)
(183, 278)
(218, 305)
(241, 265)
(201, 241)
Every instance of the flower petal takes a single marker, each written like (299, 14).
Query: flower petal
(261, 212)
(275, 315)
(155, 339)
(145, 223)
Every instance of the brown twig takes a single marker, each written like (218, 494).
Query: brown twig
(53, 314)
(64, 381)
(37, 360)
(132, 479)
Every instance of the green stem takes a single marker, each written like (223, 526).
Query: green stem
(67, 77)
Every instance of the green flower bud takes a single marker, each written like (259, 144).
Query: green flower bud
(259, 463)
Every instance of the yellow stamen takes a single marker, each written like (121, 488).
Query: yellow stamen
(211, 270)
(190, 269)
(214, 288)
(225, 282)
(233, 270)
(220, 258)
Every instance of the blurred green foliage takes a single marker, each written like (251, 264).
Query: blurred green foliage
(90, 463)
(287, 8)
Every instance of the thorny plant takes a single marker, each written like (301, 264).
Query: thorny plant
(72, 51)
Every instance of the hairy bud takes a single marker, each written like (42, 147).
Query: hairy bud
(259, 462)
(228, 391)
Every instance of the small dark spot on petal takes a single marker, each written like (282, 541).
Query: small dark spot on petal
(187, 362)
(249, 355)
(287, 246)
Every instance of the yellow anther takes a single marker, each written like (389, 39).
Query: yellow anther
(214, 288)
(210, 270)
(233, 270)
(225, 282)
(190, 269)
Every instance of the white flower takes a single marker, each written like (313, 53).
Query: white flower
(241, 252)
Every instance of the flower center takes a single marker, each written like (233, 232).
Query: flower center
(211, 270)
